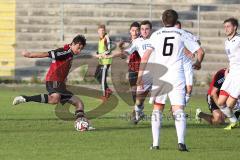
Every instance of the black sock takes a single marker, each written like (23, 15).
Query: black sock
(237, 114)
(79, 113)
(134, 98)
(41, 98)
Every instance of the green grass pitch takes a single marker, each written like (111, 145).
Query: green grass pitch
(33, 132)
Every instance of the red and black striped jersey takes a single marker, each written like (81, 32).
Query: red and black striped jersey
(61, 64)
(217, 81)
(134, 61)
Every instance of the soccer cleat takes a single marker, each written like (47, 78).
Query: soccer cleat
(103, 99)
(154, 147)
(187, 98)
(91, 128)
(237, 114)
(197, 118)
(231, 126)
(108, 93)
(182, 147)
(18, 100)
(133, 116)
(138, 116)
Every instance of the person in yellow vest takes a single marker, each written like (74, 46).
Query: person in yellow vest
(104, 47)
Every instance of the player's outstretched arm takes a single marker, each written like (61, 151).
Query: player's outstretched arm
(28, 54)
(200, 56)
(97, 55)
(119, 51)
(115, 54)
(143, 64)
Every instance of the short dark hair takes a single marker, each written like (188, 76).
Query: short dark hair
(233, 21)
(135, 24)
(101, 26)
(169, 17)
(79, 39)
(179, 23)
(146, 22)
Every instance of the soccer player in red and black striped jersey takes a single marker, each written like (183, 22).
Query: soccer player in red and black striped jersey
(57, 75)
(134, 60)
(217, 116)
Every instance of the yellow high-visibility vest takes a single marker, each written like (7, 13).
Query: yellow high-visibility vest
(104, 46)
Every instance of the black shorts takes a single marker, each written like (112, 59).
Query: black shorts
(60, 88)
(211, 104)
(132, 77)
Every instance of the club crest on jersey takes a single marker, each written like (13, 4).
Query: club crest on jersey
(145, 46)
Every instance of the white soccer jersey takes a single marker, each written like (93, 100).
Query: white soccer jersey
(140, 45)
(168, 44)
(231, 83)
(194, 38)
(232, 48)
(187, 62)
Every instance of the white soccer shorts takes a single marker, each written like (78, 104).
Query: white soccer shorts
(147, 84)
(176, 95)
(231, 85)
(188, 72)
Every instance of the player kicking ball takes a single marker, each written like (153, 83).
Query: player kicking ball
(56, 79)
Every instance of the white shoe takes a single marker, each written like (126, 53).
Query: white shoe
(197, 118)
(187, 98)
(91, 128)
(18, 100)
(139, 115)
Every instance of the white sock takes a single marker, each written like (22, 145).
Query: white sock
(138, 108)
(228, 113)
(187, 98)
(180, 124)
(156, 121)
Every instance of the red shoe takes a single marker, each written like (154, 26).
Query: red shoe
(104, 98)
(108, 93)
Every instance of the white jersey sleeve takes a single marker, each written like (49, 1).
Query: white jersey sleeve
(190, 42)
(232, 48)
(132, 47)
(191, 35)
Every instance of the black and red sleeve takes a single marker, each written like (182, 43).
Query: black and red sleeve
(219, 79)
(59, 54)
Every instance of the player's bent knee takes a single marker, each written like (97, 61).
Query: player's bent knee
(217, 120)
(53, 99)
(223, 96)
(179, 115)
(221, 104)
(218, 117)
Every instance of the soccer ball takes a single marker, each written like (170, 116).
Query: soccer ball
(81, 124)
